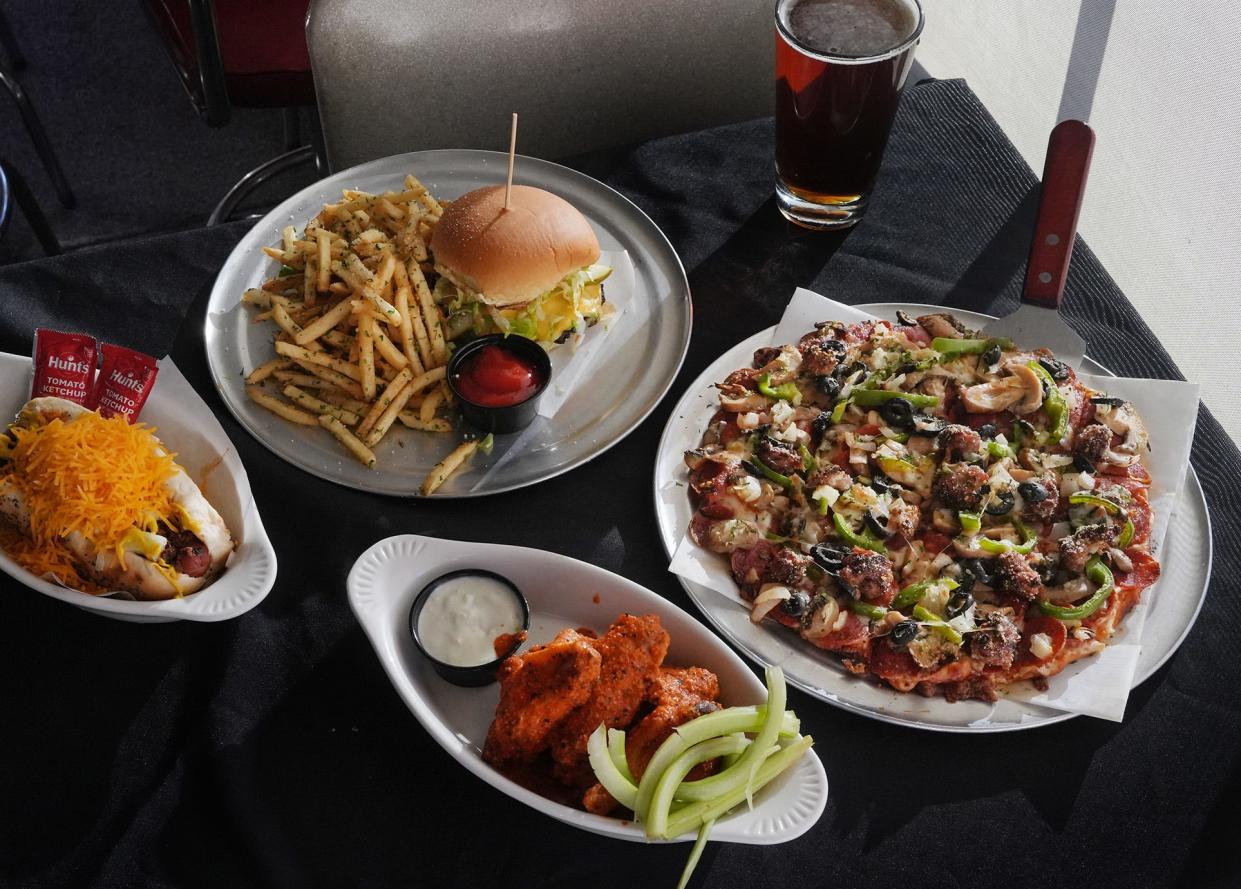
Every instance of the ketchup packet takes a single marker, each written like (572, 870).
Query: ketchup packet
(64, 365)
(125, 380)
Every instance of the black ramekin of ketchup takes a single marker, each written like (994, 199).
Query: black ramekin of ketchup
(498, 380)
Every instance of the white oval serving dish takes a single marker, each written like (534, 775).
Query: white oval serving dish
(187, 427)
(562, 592)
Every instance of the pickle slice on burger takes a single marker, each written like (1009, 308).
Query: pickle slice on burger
(529, 269)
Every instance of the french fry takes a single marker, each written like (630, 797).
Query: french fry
(384, 423)
(280, 408)
(306, 381)
(257, 297)
(430, 405)
(323, 323)
(446, 467)
(390, 352)
(323, 239)
(430, 313)
(320, 407)
(413, 421)
(408, 343)
(366, 355)
(364, 454)
(352, 405)
(266, 369)
(281, 316)
(309, 281)
(391, 391)
(301, 353)
(332, 378)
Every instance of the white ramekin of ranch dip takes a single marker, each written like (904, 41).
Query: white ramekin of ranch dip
(466, 622)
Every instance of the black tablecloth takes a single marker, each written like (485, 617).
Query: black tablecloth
(270, 750)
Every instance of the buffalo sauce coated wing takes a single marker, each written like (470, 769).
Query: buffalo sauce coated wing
(632, 650)
(674, 696)
(537, 691)
(677, 696)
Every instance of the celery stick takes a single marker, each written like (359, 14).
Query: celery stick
(738, 774)
(698, 813)
(605, 770)
(616, 749)
(695, 853)
(661, 801)
(703, 728)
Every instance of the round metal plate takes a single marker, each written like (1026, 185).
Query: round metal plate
(636, 365)
(1174, 601)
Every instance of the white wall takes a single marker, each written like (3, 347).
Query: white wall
(1163, 203)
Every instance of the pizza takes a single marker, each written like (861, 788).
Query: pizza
(945, 512)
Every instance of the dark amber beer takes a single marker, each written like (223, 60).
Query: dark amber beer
(840, 66)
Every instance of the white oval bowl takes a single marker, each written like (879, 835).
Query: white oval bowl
(187, 427)
(562, 592)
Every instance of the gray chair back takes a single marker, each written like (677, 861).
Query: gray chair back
(402, 75)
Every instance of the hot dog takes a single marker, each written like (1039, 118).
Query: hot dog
(102, 506)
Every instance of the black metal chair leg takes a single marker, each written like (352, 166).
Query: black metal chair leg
(9, 42)
(38, 136)
(24, 198)
(256, 177)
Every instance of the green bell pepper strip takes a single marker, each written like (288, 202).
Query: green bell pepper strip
(1126, 531)
(999, 451)
(1095, 500)
(838, 412)
(865, 609)
(1020, 428)
(891, 465)
(1054, 405)
(954, 347)
(782, 480)
(775, 538)
(808, 462)
(937, 624)
(823, 507)
(913, 593)
(863, 540)
(876, 397)
(901, 437)
(784, 392)
(1098, 572)
(971, 522)
(1028, 539)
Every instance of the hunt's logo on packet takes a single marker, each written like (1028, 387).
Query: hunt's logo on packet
(125, 380)
(64, 365)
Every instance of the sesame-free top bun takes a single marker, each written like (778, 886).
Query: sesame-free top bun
(511, 256)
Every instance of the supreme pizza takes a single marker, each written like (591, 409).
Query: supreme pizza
(943, 511)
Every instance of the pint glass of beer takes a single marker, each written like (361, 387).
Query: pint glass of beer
(840, 66)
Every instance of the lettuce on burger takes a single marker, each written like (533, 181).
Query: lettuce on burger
(531, 269)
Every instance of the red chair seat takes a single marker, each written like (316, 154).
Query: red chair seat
(262, 46)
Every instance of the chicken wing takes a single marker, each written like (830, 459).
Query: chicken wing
(631, 650)
(538, 690)
(674, 696)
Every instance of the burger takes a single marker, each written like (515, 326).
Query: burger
(529, 269)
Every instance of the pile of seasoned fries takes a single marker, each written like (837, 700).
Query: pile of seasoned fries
(361, 341)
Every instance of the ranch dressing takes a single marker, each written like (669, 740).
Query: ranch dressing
(463, 616)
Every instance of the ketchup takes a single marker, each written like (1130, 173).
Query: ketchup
(495, 377)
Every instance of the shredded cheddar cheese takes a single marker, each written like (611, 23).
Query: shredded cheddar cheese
(99, 477)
